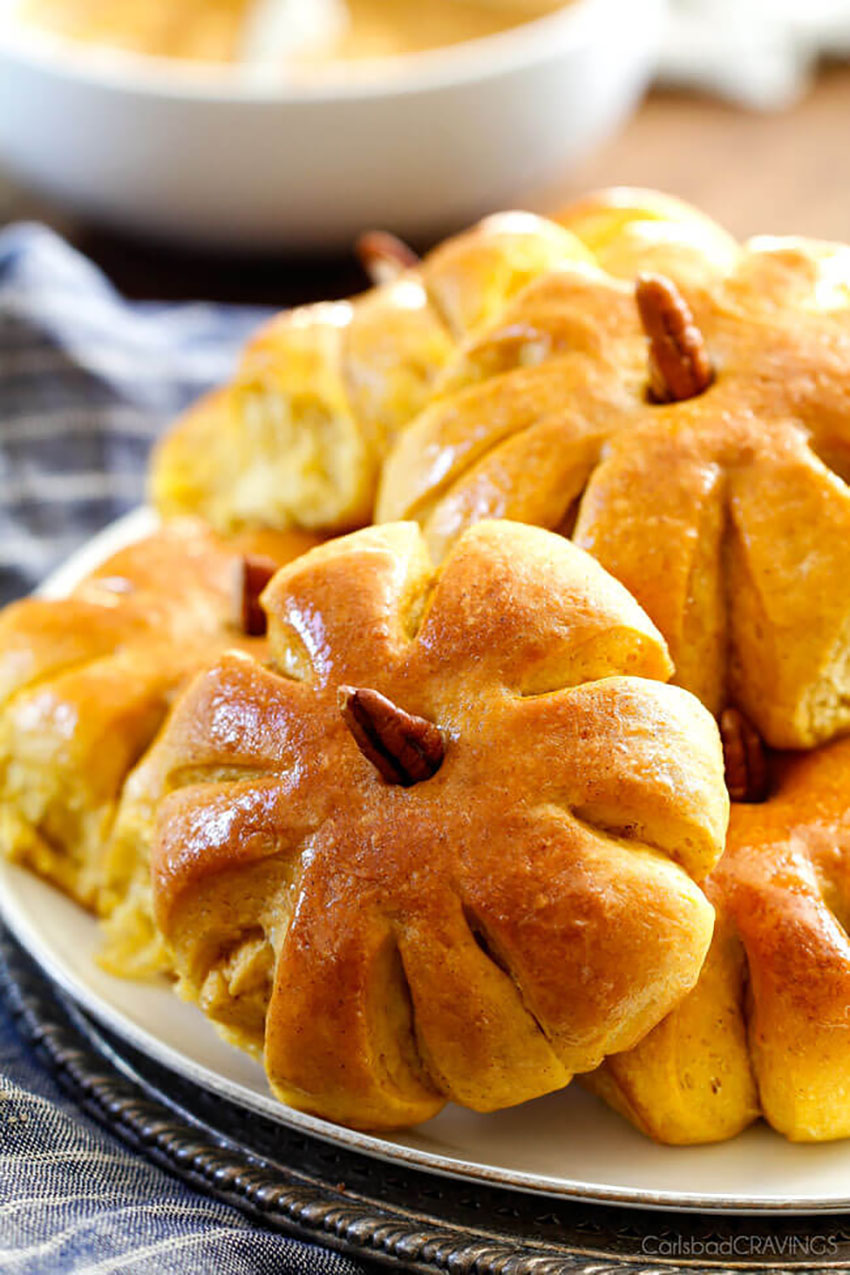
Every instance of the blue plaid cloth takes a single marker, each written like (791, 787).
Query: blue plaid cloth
(86, 383)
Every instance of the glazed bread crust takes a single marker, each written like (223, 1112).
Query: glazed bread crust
(765, 1030)
(726, 515)
(323, 391)
(480, 936)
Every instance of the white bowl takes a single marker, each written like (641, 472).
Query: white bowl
(417, 144)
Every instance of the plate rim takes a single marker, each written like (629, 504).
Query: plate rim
(343, 1203)
(118, 534)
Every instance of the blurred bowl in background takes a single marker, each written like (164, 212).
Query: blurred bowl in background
(420, 143)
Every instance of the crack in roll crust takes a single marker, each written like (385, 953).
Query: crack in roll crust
(727, 514)
(765, 1030)
(488, 932)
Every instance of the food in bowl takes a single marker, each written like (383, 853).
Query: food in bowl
(207, 30)
(312, 32)
(256, 155)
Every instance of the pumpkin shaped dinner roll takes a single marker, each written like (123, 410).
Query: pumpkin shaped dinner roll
(323, 390)
(765, 1030)
(691, 429)
(87, 680)
(443, 845)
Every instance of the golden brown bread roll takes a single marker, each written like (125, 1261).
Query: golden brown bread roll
(765, 1030)
(86, 681)
(322, 391)
(516, 906)
(726, 514)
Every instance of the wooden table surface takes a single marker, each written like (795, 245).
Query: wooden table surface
(783, 173)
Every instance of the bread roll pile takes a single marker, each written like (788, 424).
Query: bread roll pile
(455, 829)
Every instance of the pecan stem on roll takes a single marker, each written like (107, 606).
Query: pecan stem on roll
(252, 573)
(679, 366)
(745, 758)
(403, 749)
(384, 257)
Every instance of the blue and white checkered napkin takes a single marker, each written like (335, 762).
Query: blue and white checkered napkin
(86, 382)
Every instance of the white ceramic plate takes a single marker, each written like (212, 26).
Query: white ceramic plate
(567, 1145)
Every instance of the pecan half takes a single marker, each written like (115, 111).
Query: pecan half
(403, 749)
(679, 366)
(384, 257)
(745, 758)
(252, 573)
